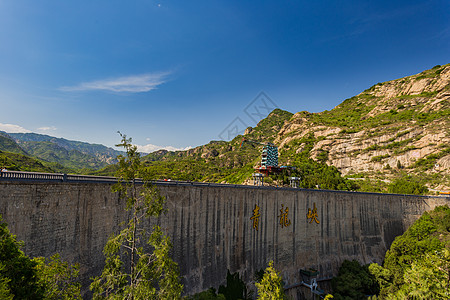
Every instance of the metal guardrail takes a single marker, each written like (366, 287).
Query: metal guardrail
(72, 178)
(53, 177)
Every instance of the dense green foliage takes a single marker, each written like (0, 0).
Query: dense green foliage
(18, 271)
(426, 235)
(209, 294)
(235, 288)
(407, 184)
(150, 274)
(354, 282)
(428, 278)
(313, 173)
(58, 278)
(25, 278)
(417, 265)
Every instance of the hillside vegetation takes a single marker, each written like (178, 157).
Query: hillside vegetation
(392, 137)
(43, 153)
(7, 144)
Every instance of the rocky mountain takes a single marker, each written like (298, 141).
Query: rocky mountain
(399, 125)
(394, 129)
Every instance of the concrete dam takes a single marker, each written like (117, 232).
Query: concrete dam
(214, 227)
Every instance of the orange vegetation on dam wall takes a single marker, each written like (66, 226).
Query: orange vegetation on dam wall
(216, 227)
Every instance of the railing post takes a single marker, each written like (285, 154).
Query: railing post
(64, 177)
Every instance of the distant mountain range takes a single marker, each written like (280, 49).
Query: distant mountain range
(396, 129)
(58, 154)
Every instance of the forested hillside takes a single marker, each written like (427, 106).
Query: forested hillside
(50, 154)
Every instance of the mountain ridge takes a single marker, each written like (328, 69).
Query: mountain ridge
(392, 130)
(101, 152)
(56, 154)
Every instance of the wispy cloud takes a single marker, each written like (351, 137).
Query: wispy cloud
(47, 128)
(131, 84)
(149, 148)
(11, 128)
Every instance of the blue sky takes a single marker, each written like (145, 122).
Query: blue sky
(182, 73)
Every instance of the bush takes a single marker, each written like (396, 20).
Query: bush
(407, 185)
(354, 281)
(235, 288)
(207, 295)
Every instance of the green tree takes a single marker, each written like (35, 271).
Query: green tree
(235, 288)
(270, 287)
(407, 185)
(417, 265)
(58, 278)
(209, 294)
(428, 278)
(147, 274)
(354, 281)
(5, 292)
(18, 275)
(25, 278)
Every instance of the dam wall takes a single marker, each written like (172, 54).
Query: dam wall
(215, 228)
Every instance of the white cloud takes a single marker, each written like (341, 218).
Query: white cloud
(11, 128)
(149, 148)
(47, 128)
(131, 84)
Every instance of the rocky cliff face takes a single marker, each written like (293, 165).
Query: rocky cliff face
(399, 124)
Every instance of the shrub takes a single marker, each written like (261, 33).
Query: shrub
(407, 185)
(354, 281)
